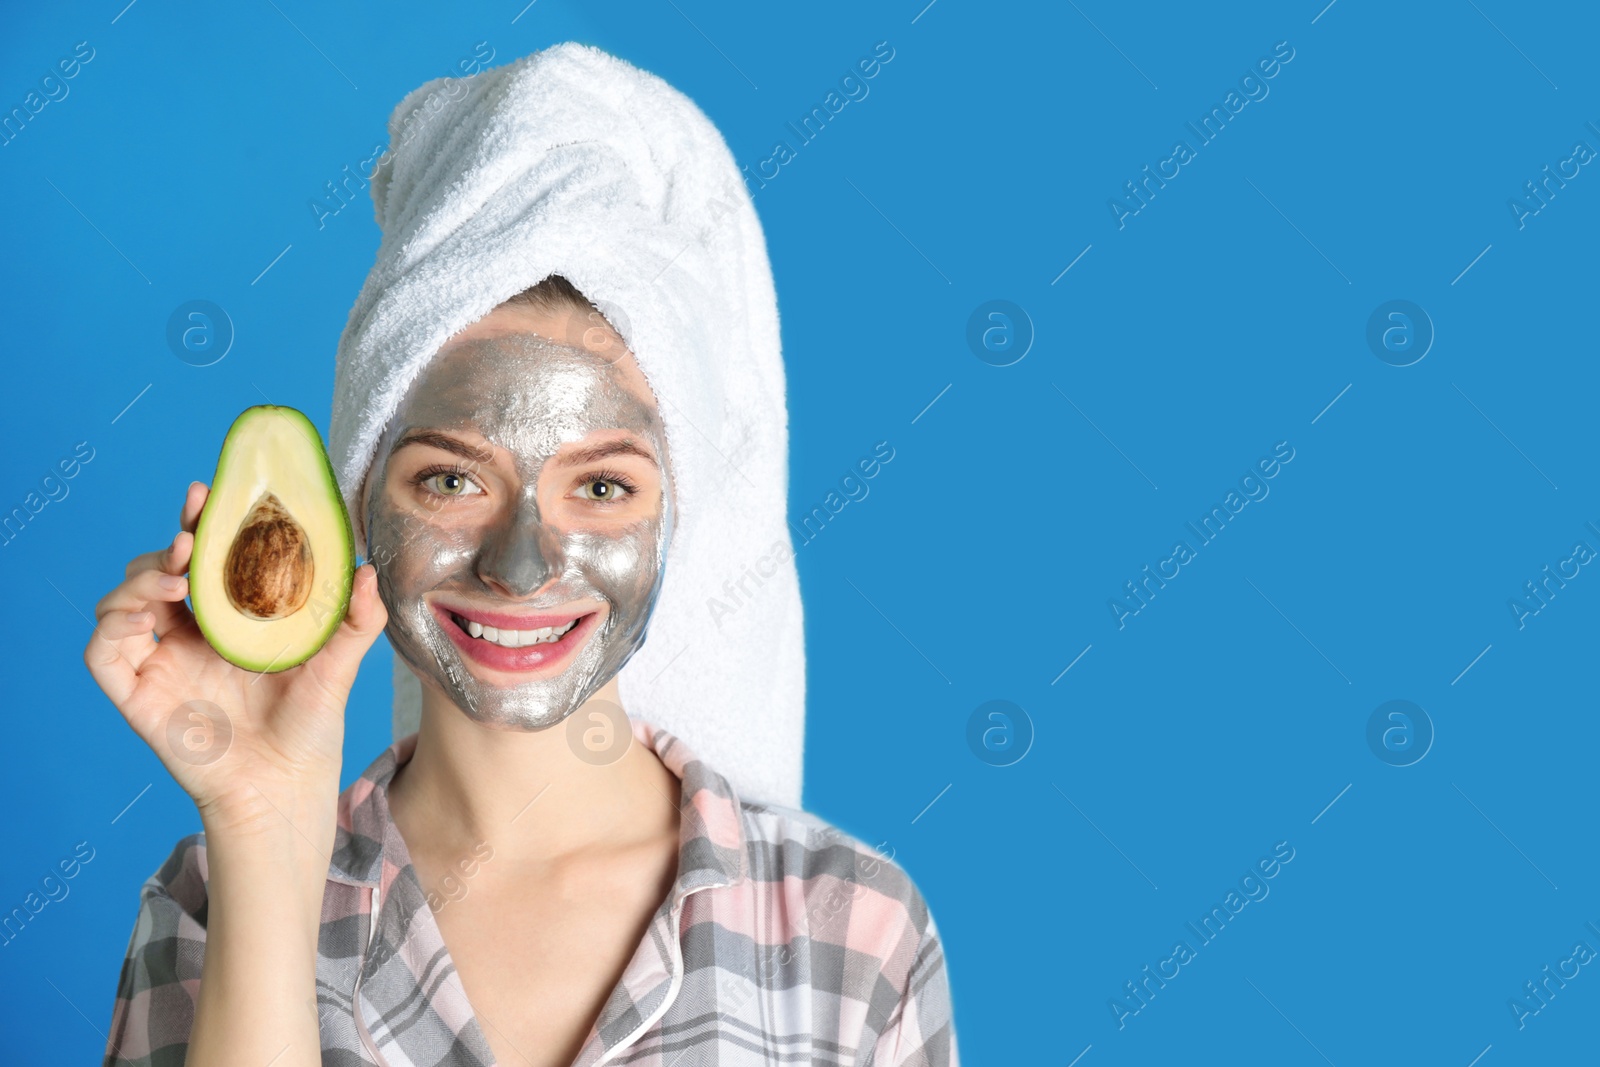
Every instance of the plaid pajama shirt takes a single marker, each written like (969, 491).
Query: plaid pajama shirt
(782, 941)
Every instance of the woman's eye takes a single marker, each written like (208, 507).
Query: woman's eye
(449, 483)
(602, 490)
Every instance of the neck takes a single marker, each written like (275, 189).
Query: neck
(527, 794)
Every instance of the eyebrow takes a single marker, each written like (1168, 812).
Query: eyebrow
(444, 442)
(576, 456)
(626, 446)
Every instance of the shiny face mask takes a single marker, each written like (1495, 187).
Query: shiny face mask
(518, 581)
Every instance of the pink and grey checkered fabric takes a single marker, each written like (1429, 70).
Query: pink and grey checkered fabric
(782, 941)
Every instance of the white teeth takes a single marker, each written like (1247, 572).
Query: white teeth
(518, 638)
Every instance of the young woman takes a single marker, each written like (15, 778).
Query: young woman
(534, 875)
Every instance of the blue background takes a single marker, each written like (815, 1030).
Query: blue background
(1224, 317)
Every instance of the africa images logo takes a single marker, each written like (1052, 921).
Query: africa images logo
(1137, 594)
(1253, 85)
(1252, 888)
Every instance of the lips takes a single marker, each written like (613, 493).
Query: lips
(511, 622)
(544, 655)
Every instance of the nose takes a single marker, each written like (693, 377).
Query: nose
(521, 554)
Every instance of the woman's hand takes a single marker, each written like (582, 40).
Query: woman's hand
(243, 745)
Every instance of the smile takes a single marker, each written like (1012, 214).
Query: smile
(508, 638)
(515, 643)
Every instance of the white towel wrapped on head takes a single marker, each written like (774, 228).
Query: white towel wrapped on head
(571, 161)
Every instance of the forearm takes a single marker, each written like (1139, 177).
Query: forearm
(257, 1000)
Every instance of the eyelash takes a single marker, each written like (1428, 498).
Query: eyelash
(614, 477)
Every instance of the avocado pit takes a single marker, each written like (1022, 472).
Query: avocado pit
(268, 570)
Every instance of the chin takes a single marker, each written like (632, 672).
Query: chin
(516, 723)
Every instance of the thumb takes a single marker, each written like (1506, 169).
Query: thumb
(335, 665)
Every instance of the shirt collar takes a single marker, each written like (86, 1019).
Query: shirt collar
(711, 845)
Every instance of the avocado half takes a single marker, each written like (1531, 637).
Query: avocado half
(274, 553)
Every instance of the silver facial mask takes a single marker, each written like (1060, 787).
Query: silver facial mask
(526, 395)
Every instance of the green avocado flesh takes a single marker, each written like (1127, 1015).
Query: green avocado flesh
(274, 555)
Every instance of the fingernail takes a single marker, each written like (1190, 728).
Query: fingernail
(170, 582)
